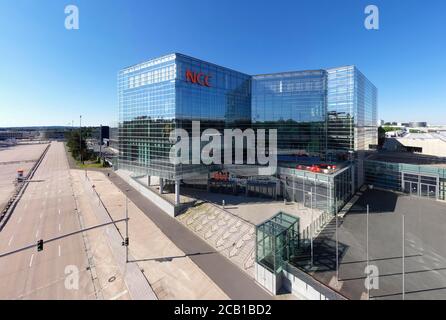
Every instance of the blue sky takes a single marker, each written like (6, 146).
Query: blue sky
(50, 75)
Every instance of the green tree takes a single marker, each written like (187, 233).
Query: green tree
(381, 136)
(77, 146)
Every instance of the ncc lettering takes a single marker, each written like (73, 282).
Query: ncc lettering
(198, 78)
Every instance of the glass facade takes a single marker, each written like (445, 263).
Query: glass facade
(146, 98)
(352, 112)
(294, 103)
(225, 104)
(322, 191)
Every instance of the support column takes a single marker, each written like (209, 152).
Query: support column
(148, 180)
(177, 192)
(294, 190)
(208, 184)
(161, 185)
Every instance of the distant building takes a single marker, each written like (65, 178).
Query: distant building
(433, 144)
(414, 174)
(417, 124)
(101, 133)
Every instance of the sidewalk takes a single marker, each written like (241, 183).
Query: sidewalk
(138, 287)
(171, 273)
(233, 281)
(112, 277)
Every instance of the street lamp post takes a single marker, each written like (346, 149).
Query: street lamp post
(367, 248)
(80, 136)
(403, 262)
(337, 243)
(311, 226)
(126, 229)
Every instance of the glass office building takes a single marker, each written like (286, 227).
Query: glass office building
(170, 92)
(321, 114)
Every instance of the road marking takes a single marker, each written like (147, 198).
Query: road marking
(10, 240)
(59, 226)
(41, 215)
(31, 261)
(37, 233)
(59, 211)
(19, 220)
(59, 250)
(59, 191)
(119, 295)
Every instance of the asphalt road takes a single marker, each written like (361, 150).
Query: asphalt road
(46, 210)
(232, 280)
(424, 249)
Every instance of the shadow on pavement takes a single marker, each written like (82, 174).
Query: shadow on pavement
(169, 259)
(382, 201)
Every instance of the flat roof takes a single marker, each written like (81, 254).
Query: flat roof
(408, 158)
(425, 136)
(169, 57)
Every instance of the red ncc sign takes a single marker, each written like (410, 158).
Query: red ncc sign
(198, 78)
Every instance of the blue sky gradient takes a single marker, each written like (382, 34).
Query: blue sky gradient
(50, 75)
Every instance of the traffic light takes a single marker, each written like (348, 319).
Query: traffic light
(125, 243)
(40, 245)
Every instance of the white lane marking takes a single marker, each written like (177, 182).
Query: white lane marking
(10, 240)
(31, 260)
(41, 215)
(59, 211)
(119, 295)
(59, 250)
(59, 191)
(19, 220)
(37, 233)
(59, 226)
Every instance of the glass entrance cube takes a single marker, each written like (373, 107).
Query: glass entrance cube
(277, 240)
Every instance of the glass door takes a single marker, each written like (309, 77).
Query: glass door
(407, 187)
(414, 188)
(432, 192)
(424, 190)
